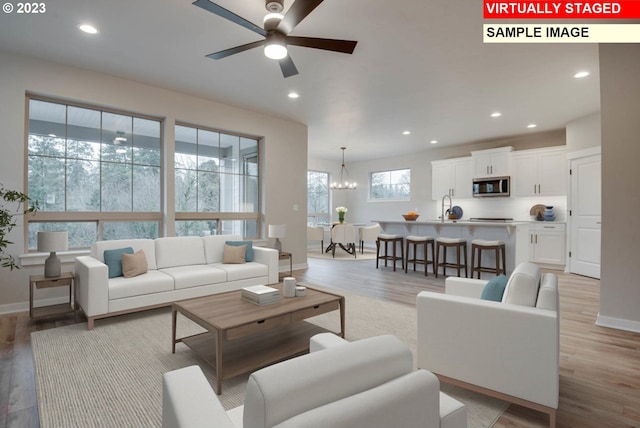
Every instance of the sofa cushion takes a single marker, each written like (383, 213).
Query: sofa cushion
(195, 275)
(214, 246)
(522, 288)
(411, 400)
(548, 293)
(237, 272)
(148, 245)
(179, 251)
(149, 283)
(494, 289)
(113, 260)
(249, 248)
(134, 264)
(234, 254)
(279, 392)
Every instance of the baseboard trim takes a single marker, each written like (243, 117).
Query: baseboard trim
(24, 306)
(618, 323)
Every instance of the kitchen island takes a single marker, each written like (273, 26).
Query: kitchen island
(514, 234)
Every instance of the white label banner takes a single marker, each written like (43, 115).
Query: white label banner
(561, 33)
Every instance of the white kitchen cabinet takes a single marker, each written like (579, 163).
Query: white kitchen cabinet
(547, 243)
(539, 172)
(492, 162)
(452, 177)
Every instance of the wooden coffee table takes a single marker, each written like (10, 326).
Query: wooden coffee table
(242, 336)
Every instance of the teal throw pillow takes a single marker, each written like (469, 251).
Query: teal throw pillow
(248, 255)
(494, 289)
(113, 260)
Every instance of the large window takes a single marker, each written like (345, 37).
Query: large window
(216, 183)
(318, 198)
(390, 185)
(94, 173)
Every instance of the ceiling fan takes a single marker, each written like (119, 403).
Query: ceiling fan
(276, 32)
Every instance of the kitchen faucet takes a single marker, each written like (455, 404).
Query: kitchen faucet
(450, 204)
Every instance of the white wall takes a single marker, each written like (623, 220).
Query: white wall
(620, 107)
(584, 133)
(361, 210)
(285, 142)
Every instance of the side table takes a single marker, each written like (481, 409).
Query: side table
(283, 256)
(41, 281)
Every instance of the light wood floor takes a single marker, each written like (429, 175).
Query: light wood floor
(599, 367)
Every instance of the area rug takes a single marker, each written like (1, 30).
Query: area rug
(112, 376)
(342, 255)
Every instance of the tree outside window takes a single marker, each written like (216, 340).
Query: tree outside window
(390, 185)
(317, 198)
(96, 174)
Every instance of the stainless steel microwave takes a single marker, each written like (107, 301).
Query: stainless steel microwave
(491, 186)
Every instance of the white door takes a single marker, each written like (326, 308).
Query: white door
(585, 216)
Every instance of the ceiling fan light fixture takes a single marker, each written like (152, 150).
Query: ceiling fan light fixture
(275, 47)
(272, 20)
(274, 5)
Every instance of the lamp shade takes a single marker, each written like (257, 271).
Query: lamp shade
(51, 242)
(277, 230)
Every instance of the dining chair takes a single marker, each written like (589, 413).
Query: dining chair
(316, 234)
(368, 233)
(343, 235)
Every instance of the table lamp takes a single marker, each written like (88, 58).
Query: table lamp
(277, 231)
(52, 242)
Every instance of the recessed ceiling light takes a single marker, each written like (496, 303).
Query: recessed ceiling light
(434, 141)
(496, 114)
(89, 29)
(406, 132)
(531, 125)
(293, 95)
(581, 74)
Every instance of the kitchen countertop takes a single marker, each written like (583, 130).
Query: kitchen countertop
(461, 222)
(471, 226)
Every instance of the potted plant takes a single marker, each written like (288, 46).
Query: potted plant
(341, 212)
(10, 203)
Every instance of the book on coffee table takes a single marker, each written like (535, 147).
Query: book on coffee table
(260, 294)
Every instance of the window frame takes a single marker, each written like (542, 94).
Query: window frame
(221, 216)
(317, 215)
(97, 217)
(385, 199)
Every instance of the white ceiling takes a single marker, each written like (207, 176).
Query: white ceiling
(419, 65)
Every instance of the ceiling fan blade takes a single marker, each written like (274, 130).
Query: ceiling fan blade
(288, 67)
(231, 51)
(296, 13)
(344, 46)
(227, 14)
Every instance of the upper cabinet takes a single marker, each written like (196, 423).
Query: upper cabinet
(492, 162)
(539, 172)
(452, 177)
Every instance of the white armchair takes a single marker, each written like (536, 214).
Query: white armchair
(368, 233)
(368, 383)
(316, 234)
(507, 349)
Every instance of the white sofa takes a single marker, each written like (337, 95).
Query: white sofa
(178, 268)
(368, 383)
(508, 349)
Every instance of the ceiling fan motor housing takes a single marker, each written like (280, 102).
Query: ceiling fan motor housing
(275, 6)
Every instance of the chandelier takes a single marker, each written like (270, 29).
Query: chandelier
(344, 180)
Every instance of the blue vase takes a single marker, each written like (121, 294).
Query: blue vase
(549, 215)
